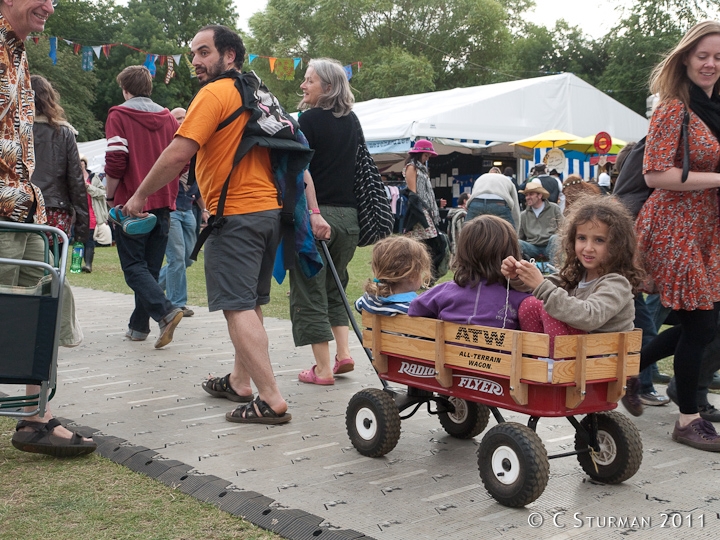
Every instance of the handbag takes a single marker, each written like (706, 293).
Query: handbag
(630, 187)
(373, 206)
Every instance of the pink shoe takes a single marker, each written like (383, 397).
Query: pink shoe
(308, 376)
(343, 366)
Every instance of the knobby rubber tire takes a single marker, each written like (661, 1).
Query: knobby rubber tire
(468, 420)
(513, 464)
(621, 448)
(372, 420)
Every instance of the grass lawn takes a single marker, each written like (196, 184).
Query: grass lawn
(93, 498)
(107, 276)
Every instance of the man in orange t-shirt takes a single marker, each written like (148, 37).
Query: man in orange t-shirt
(239, 255)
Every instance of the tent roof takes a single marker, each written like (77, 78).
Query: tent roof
(502, 112)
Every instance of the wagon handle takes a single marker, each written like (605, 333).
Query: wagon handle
(350, 313)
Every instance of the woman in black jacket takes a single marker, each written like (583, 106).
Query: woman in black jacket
(58, 173)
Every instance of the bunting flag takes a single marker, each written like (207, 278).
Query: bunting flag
(87, 58)
(285, 69)
(190, 66)
(53, 50)
(150, 63)
(170, 70)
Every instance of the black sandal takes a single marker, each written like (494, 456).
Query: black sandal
(220, 387)
(246, 414)
(42, 441)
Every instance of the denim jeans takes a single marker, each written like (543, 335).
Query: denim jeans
(479, 207)
(531, 251)
(181, 240)
(141, 257)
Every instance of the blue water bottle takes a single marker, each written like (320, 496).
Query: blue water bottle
(77, 257)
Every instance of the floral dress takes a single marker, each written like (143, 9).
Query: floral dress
(678, 232)
(425, 191)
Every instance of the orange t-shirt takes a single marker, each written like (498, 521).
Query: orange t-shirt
(252, 188)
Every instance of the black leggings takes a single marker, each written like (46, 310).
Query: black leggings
(687, 341)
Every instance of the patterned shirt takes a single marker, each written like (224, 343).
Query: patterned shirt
(17, 112)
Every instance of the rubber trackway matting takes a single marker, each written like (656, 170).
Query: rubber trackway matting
(305, 480)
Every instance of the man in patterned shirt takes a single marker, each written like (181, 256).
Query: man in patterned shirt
(22, 202)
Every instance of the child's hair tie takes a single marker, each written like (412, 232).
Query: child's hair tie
(376, 280)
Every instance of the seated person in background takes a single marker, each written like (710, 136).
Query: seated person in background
(539, 223)
(593, 292)
(552, 184)
(400, 265)
(456, 218)
(494, 194)
(479, 293)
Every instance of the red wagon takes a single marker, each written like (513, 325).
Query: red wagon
(462, 373)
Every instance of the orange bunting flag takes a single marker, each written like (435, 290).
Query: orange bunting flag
(76, 48)
(272, 63)
(36, 39)
(106, 50)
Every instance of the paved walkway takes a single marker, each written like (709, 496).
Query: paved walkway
(306, 477)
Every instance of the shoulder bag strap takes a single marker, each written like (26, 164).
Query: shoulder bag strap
(686, 147)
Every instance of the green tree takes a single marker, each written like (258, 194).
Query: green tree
(439, 44)
(639, 41)
(75, 86)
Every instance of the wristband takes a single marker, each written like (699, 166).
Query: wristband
(312, 211)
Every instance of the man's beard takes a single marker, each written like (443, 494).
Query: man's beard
(213, 71)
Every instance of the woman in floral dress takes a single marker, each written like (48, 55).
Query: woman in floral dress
(678, 228)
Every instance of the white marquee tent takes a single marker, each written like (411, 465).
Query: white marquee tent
(472, 119)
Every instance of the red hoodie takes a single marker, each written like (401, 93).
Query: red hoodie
(137, 133)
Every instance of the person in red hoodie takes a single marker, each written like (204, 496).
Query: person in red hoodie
(137, 132)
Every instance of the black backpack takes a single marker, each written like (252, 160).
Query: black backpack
(630, 187)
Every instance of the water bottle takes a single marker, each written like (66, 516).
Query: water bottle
(77, 257)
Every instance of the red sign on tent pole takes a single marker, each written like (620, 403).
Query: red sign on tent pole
(603, 142)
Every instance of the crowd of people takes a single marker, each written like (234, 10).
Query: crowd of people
(169, 171)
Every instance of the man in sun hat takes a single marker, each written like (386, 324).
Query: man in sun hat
(539, 222)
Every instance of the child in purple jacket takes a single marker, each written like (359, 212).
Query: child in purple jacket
(479, 293)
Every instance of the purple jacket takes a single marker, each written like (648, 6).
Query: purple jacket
(483, 305)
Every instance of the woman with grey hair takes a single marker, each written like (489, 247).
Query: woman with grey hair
(317, 309)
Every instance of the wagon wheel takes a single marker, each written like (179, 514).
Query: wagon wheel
(513, 464)
(372, 420)
(621, 448)
(469, 419)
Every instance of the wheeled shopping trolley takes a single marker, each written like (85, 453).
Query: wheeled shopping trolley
(30, 327)
(462, 373)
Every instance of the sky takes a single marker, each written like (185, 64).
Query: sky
(595, 17)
